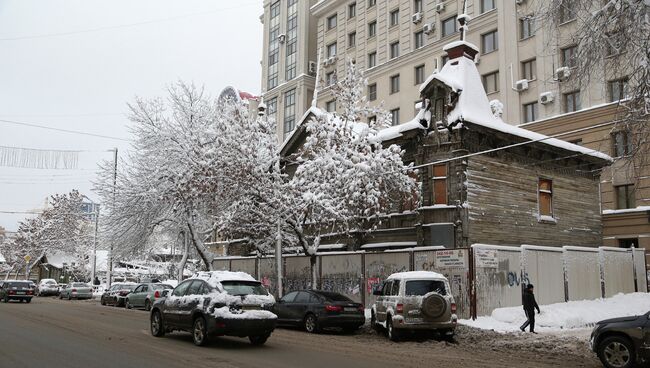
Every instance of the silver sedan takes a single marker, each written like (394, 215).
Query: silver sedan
(77, 290)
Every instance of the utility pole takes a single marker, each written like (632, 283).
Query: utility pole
(278, 259)
(109, 266)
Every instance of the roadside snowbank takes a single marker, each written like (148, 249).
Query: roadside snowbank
(563, 316)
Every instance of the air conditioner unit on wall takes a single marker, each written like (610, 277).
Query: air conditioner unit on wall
(282, 38)
(562, 74)
(546, 98)
(440, 7)
(312, 67)
(416, 18)
(521, 85)
(428, 28)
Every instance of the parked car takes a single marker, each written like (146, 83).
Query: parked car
(76, 290)
(16, 290)
(47, 287)
(622, 342)
(144, 295)
(216, 303)
(116, 294)
(316, 309)
(416, 300)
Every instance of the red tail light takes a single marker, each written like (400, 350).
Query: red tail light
(453, 307)
(29, 292)
(399, 308)
(11, 292)
(156, 294)
(74, 290)
(333, 308)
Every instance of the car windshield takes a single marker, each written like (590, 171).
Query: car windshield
(51, 282)
(127, 287)
(17, 285)
(335, 297)
(79, 284)
(422, 287)
(243, 288)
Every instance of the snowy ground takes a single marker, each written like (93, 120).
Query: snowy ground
(572, 318)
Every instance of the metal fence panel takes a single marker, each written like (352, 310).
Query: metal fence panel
(268, 274)
(343, 274)
(378, 266)
(617, 270)
(544, 268)
(221, 264)
(640, 270)
(297, 271)
(498, 277)
(244, 265)
(582, 267)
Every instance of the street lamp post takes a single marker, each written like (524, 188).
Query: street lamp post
(93, 272)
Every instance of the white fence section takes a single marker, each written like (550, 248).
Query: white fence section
(640, 272)
(544, 268)
(617, 270)
(582, 273)
(498, 277)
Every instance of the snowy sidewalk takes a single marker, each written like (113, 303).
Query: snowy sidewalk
(564, 317)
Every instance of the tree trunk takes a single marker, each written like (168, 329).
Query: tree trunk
(183, 262)
(205, 254)
(314, 271)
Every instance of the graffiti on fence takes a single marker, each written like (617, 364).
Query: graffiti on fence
(514, 279)
(346, 284)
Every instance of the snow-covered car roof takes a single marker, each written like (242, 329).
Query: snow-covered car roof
(416, 275)
(214, 277)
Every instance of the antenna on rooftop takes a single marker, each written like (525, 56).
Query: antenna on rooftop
(463, 19)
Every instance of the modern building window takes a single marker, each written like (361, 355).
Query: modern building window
(487, 5)
(449, 26)
(623, 144)
(569, 56)
(352, 10)
(394, 49)
(331, 106)
(529, 69)
(372, 29)
(330, 78)
(567, 11)
(572, 101)
(625, 196)
(352, 39)
(618, 89)
(417, 6)
(613, 45)
(291, 39)
(394, 114)
(372, 60)
(491, 82)
(419, 74)
(490, 42)
(628, 243)
(530, 112)
(418, 38)
(545, 197)
(394, 83)
(331, 50)
(372, 3)
(289, 112)
(372, 92)
(274, 46)
(272, 108)
(526, 27)
(331, 22)
(394, 18)
(439, 179)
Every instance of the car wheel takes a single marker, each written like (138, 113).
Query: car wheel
(157, 328)
(311, 323)
(28, 300)
(350, 329)
(373, 322)
(392, 334)
(617, 352)
(6, 299)
(200, 332)
(102, 301)
(127, 304)
(147, 305)
(69, 296)
(258, 340)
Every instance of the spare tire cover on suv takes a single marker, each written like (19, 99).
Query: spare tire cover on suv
(434, 305)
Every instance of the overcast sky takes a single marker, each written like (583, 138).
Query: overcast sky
(73, 64)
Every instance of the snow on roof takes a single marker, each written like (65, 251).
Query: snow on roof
(389, 244)
(397, 130)
(57, 259)
(214, 277)
(416, 275)
(627, 210)
(312, 110)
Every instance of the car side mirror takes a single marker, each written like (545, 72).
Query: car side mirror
(376, 291)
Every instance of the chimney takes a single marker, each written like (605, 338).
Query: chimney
(461, 48)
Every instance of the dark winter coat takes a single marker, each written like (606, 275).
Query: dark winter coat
(529, 301)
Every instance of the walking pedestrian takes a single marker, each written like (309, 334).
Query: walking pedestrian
(529, 308)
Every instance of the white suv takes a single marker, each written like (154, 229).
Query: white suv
(417, 300)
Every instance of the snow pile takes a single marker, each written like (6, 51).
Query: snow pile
(225, 312)
(569, 315)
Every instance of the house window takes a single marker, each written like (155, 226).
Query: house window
(394, 17)
(567, 11)
(372, 60)
(417, 6)
(628, 243)
(352, 39)
(372, 92)
(289, 112)
(331, 106)
(487, 5)
(491, 82)
(528, 69)
(372, 3)
(569, 56)
(526, 27)
(331, 50)
(331, 22)
(623, 145)
(394, 84)
(449, 26)
(572, 101)
(352, 10)
(545, 194)
(394, 49)
(372, 28)
(439, 179)
(419, 39)
(330, 78)
(618, 89)
(490, 42)
(530, 112)
(613, 46)
(419, 74)
(624, 196)
(394, 114)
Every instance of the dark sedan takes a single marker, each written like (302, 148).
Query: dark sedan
(622, 342)
(315, 309)
(116, 295)
(16, 290)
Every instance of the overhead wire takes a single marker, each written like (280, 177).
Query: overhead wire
(70, 131)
